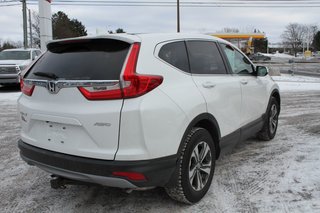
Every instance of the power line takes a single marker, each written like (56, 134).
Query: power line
(186, 4)
(182, 5)
(214, 1)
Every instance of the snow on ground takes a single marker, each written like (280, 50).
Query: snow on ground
(298, 86)
(279, 55)
(296, 78)
(297, 83)
(9, 94)
(282, 175)
(9, 97)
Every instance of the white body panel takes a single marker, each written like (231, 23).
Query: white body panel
(150, 127)
(223, 96)
(254, 93)
(68, 123)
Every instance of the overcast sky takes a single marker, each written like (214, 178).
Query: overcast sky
(272, 21)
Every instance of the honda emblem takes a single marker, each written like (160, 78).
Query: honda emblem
(52, 87)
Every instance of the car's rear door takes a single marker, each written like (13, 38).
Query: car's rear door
(221, 90)
(74, 107)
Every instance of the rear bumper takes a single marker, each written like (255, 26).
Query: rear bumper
(157, 171)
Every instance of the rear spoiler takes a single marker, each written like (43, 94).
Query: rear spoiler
(120, 37)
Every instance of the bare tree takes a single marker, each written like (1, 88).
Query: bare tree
(229, 30)
(293, 36)
(8, 44)
(309, 33)
(35, 29)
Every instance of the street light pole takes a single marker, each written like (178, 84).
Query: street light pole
(24, 16)
(178, 16)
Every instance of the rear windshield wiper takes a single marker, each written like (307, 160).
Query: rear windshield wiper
(46, 74)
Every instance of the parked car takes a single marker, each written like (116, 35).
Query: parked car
(140, 111)
(259, 57)
(13, 61)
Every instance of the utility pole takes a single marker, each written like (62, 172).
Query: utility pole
(178, 16)
(24, 15)
(30, 29)
(45, 23)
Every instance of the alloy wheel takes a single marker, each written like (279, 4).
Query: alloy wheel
(273, 119)
(200, 166)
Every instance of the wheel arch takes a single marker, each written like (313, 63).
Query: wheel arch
(208, 122)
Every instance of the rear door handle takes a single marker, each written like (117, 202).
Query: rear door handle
(208, 85)
(244, 82)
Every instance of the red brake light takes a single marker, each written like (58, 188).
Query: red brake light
(25, 88)
(136, 84)
(135, 176)
(132, 84)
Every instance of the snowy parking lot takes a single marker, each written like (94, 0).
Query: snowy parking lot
(282, 175)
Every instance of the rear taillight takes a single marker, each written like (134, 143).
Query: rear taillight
(132, 84)
(26, 88)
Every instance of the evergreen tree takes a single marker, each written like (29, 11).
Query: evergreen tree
(120, 30)
(316, 41)
(64, 27)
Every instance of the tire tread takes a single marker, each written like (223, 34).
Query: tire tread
(176, 192)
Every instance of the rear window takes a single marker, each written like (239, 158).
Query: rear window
(175, 53)
(15, 55)
(98, 59)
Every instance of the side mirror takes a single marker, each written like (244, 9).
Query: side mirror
(34, 57)
(262, 71)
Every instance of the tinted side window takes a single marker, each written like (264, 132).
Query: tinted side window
(205, 58)
(98, 59)
(175, 53)
(238, 62)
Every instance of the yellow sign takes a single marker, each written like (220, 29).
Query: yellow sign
(307, 53)
(239, 35)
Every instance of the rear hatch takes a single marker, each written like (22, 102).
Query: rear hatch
(72, 97)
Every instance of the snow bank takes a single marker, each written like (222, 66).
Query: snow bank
(279, 55)
(288, 83)
(294, 86)
(296, 78)
(6, 97)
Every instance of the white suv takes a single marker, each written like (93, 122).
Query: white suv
(144, 110)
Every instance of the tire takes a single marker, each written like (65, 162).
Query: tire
(270, 126)
(192, 189)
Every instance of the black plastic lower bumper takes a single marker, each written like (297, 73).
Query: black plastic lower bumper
(157, 171)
